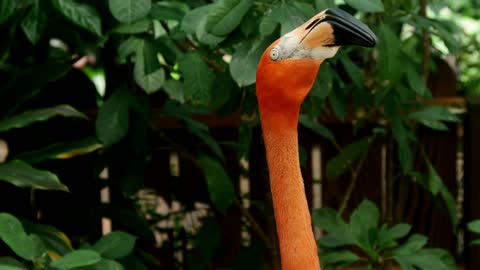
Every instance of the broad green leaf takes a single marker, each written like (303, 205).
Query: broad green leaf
(9, 263)
(81, 14)
(364, 217)
(115, 245)
(129, 10)
(339, 257)
(413, 244)
(103, 264)
(338, 101)
(287, 15)
(53, 239)
(128, 47)
(243, 66)
(366, 5)
(28, 247)
(61, 150)
(394, 233)
(415, 82)
(316, 127)
(198, 78)
(219, 184)
(34, 23)
(7, 8)
(336, 241)
(390, 63)
(153, 81)
(22, 174)
(330, 221)
(151, 62)
(113, 118)
(135, 27)
(29, 117)
(353, 71)
(169, 10)
(174, 89)
(324, 83)
(190, 22)
(226, 15)
(205, 37)
(435, 183)
(324, 4)
(433, 117)
(342, 162)
(77, 258)
(474, 226)
(427, 259)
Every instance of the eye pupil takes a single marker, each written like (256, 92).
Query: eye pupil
(274, 54)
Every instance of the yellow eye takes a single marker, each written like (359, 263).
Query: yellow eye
(275, 54)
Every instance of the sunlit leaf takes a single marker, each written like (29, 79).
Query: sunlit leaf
(81, 14)
(129, 10)
(29, 117)
(219, 184)
(21, 174)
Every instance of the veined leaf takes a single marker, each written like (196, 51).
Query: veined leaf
(34, 23)
(115, 245)
(174, 89)
(7, 8)
(364, 217)
(243, 66)
(81, 14)
(191, 20)
(129, 10)
(150, 80)
(288, 16)
(366, 5)
(77, 258)
(135, 27)
(394, 233)
(169, 10)
(113, 118)
(53, 239)
(29, 117)
(9, 263)
(340, 163)
(28, 247)
(226, 15)
(219, 185)
(329, 220)
(198, 78)
(22, 174)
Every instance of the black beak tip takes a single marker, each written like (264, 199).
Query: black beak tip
(348, 30)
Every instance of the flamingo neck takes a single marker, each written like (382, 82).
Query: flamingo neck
(297, 244)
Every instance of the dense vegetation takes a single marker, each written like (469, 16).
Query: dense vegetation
(100, 71)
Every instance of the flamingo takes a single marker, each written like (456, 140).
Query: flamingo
(285, 74)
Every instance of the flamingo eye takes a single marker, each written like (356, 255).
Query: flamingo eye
(275, 54)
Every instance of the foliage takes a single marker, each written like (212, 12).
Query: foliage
(182, 59)
(377, 245)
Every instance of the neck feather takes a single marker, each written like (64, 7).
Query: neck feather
(297, 244)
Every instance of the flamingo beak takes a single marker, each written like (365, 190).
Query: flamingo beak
(335, 27)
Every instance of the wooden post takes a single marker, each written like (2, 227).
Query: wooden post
(472, 178)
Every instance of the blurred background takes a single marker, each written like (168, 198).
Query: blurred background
(130, 139)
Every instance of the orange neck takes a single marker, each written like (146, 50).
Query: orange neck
(297, 244)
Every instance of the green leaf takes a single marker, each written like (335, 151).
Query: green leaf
(435, 183)
(324, 4)
(34, 23)
(29, 117)
(338, 100)
(415, 82)
(433, 117)
(329, 220)
(129, 10)
(153, 81)
(22, 174)
(53, 239)
(390, 62)
(366, 5)
(113, 118)
(9, 263)
(287, 15)
(474, 226)
(115, 245)
(128, 47)
(343, 257)
(353, 71)
(174, 89)
(81, 14)
(226, 15)
(198, 78)
(364, 217)
(427, 259)
(77, 258)
(28, 247)
(219, 184)
(150, 57)
(324, 83)
(316, 127)
(135, 27)
(243, 66)
(7, 8)
(412, 245)
(191, 20)
(342, 162)
(394, 233)
(169, 10)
